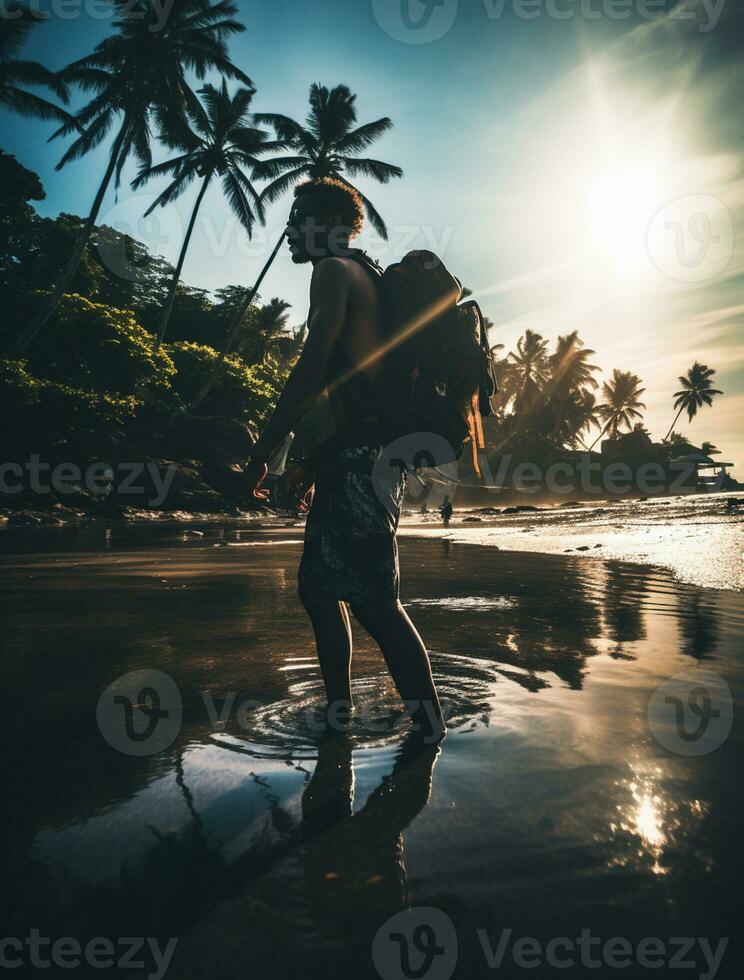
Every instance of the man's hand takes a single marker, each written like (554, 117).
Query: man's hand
(255, 473)
(299, 487)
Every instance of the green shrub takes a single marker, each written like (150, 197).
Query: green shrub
(32, 404)
(97, 348)
(240, 392)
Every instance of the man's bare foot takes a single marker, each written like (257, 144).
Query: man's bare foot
(428, 723)
(339, 716)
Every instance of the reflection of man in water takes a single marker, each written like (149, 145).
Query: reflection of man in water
(446, 511)
(354, 861)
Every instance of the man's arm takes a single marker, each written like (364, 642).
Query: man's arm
(329, 295)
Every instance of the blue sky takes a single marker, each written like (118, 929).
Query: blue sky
(576, 172)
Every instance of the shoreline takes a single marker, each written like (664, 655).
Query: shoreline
(699, 540)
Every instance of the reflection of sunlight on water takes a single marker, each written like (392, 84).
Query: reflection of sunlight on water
(475, 603)
(654, 822)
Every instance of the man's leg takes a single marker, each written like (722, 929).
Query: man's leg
(407, 660)
(332, 629)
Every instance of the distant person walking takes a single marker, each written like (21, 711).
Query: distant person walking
(446, 511)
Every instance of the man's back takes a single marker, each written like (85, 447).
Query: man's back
(362, 335)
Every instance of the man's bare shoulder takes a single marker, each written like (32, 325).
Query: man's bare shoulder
(335, 275)
(335, 267)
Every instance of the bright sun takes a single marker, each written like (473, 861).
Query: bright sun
(620, 203)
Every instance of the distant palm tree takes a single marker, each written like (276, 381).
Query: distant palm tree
(697, 390)
(622, 404)
(530, 369)
(272, 323)
(710, 449)
(569, 367)
(578, 414)
(328, 146)
(219, 141)
(15, 25)
(569, 406)
(138, 73)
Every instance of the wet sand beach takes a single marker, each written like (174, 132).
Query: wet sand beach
(567, 795)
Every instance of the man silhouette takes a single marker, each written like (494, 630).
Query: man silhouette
(350, 553)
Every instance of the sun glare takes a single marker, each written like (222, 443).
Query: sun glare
(620, 203)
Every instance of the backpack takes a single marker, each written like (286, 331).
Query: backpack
(437, 369)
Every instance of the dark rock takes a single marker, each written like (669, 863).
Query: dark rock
(226, 478)
(472, 520)
(209, 438)
(571, 503)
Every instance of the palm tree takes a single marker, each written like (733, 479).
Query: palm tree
(327, 146)
(15, 25)
(622, 404)
(569, 367)
(578, 413)
(710, 449)
(697, 390)
(271, 324)
(569, 405)
(530, 369)
(138, 73)
(219, 141)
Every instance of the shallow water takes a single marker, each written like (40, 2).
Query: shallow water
(271, 849)
(699, 537)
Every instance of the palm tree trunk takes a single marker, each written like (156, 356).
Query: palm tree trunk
(179, 265)
(676, 419)
(63, 283)
(234, 328)
(599, 437)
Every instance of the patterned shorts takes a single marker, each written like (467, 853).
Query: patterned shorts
(350, 549)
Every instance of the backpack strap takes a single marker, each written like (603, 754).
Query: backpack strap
(367, 262)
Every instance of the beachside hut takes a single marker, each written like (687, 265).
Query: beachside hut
(718, 471)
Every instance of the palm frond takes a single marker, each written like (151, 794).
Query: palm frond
(277, 187)
(237, 200)
(363, 136)
(362, 167)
